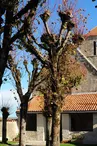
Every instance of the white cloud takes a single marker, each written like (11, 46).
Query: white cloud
(7, 99)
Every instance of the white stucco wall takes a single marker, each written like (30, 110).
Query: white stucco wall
(37, 137)
(12, 129)
(66, 127)
(88, 137)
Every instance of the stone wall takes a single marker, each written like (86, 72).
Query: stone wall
(88, 49)
(88, 137)
(89, 84)
(12, 129)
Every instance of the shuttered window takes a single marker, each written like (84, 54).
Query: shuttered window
(81, 122)
(31, 123)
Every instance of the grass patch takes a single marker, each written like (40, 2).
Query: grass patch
(8, 144)
(69, 144)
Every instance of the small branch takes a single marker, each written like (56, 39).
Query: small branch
(66, 38)
(32, 82)
(16, 76)
(21, 31)
(2, 30)
(39, 45)
(8, 67)
(32, 4)
(26, 68)
(47, 28)
(60, 35)
(36, 52)
(18, 35)
(60, 49)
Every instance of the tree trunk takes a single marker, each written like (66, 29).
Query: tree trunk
(55, 127)
(48, 130)
(23, 114)
(4, 130)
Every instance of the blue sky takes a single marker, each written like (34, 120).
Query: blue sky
(89, 6)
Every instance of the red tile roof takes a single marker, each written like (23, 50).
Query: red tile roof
(81, 102)
(36, 104)
(77, 102)
(92, 32)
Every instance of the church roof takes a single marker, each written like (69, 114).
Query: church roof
(92, 32)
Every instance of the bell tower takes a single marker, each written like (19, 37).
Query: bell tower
(89, 46)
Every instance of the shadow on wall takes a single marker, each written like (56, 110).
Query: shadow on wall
(85, 137)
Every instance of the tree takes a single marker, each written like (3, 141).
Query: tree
(13, 25)
(34, 78)
(71, 72)
(5, 115)
(49, 49)
(6, 109)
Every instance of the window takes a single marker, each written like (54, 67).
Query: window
(81, 122)
(95, 47)
(31, 124)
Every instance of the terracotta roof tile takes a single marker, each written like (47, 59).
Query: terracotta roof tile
(36, 104)
(92, 32)
(77, 102)
(81, 102)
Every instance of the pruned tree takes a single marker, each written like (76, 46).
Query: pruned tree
(14, 24)
(5, 115)
(49, 49)
(6, 108)
(71, 72)
(34, 75)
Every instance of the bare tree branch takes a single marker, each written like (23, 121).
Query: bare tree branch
(36, 52)
(60, 49)
(16, 75)
(32, 4)
(60, 35)
(39, 45)
(26, 68)
(1, 30)
(47, 28)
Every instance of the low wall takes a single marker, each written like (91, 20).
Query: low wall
(12, 129)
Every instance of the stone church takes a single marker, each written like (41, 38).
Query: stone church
(87, 53)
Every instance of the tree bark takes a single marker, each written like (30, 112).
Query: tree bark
(4, 130)
(23, 115)
(4, 122)
(48, 130)
(55, 128)
(4, 51)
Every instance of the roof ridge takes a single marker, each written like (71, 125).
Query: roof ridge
(91, 30)
(83, 93)
(84, 56)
